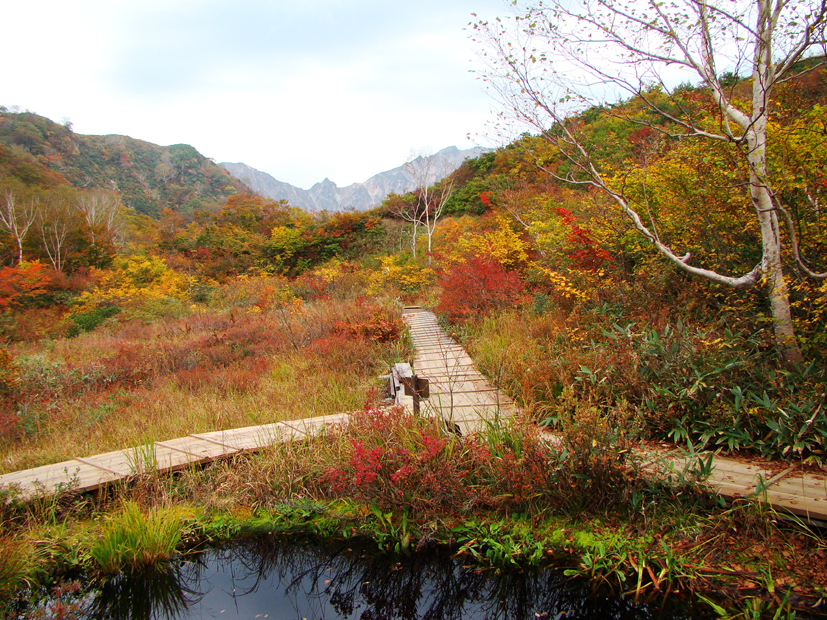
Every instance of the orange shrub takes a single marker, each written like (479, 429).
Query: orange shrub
(478, 285)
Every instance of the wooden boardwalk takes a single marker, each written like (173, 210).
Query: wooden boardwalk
(89, 473)
(788, 489)
(459, 394)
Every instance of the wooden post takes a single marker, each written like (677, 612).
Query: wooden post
(416, 387)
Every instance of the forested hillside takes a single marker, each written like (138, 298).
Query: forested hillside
(146, 177)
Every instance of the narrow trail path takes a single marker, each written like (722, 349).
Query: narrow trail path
(462, 395)
(459, 394)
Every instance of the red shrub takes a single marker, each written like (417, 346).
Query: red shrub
(585, 252)
(234, 380)
(23, 284)
(477, 285)
(342, 353)
(378, 327)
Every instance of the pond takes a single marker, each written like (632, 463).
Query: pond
(277, 578)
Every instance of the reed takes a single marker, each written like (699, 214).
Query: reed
(134, 538)
(16, 567)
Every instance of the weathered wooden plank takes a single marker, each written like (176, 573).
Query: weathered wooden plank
(438, 346)
(450, 384)
(812, 486)
(49, 478)
(447, 369)
(170, 459)
(809, 507)
(452, 374)
(447, 390)
(199, 448)
(435, 355)
(123, 462)
(319, 424)
(252, 437)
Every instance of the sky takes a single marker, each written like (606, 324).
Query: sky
(300, 89)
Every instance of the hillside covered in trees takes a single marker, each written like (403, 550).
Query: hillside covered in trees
(147, 178)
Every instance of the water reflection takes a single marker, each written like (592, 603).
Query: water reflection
(268, 578)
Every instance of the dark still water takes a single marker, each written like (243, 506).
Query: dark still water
(269, 578)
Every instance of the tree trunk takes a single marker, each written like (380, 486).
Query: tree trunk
(763, 78)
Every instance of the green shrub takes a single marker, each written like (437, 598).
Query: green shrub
(87, 321)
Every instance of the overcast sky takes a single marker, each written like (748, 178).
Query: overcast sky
(301, 89)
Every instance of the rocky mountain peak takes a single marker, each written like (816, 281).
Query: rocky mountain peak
(327, 196)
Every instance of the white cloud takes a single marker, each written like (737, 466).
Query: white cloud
(302, 90)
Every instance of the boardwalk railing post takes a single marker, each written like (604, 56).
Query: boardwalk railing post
(415, 387)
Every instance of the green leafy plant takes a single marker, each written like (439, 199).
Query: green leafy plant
(88, 321)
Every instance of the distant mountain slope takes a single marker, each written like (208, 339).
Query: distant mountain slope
(327, 196)
(37, 151)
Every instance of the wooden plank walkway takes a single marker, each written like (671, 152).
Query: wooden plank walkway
(788, 490)
(462, 395)
(89, 473)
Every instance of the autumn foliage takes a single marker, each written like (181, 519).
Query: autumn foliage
(23, 284)
(477, 285)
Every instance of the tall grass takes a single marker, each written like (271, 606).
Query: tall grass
(16, 568)
(213, 370)
(134, 538)
(671, 380)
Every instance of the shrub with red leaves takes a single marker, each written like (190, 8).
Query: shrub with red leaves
(378, 327)
(585, 252)
(477, 285)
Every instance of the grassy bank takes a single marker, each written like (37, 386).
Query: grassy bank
(504, 498)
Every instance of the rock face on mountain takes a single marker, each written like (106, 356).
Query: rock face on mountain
(327, 196)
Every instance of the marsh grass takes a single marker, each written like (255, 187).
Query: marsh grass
(16, 566)
(134, 538)
(213, 370)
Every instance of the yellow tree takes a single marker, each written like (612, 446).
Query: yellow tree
(555, 58)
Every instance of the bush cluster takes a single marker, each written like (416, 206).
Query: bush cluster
(398, 463)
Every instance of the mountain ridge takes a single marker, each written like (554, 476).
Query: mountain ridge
(36, 151)
(328, 196)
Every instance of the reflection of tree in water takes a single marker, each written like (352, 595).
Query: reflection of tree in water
(154, 593)
(355, 581)
(426, 585)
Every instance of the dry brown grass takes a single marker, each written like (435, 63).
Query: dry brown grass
(215, 369)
